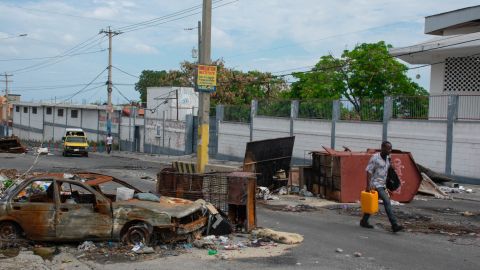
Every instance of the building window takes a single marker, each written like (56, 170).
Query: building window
(49, 110)
(17, 108)
(25, 109)
(74, 113)
(60, 112)
(34, 110)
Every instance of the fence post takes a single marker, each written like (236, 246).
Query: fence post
(219, 115)
(253, 113)
(335, 118)
(387, 115)
(452, 114)
(189, 134)
(294, 107)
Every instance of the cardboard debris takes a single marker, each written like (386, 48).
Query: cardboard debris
(434, 176)
(279, 237)
(427, 186)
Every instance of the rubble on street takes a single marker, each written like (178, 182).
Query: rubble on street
(11, 145)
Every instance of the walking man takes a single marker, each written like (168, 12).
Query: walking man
(109, 143)
(377, 170)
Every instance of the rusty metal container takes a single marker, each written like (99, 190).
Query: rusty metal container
(341, 176)
(233, 193)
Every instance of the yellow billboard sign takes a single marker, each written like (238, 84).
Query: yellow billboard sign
(206, 78)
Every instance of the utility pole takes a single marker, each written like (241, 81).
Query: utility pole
(204, 97)
(110, 34)
(7, 110)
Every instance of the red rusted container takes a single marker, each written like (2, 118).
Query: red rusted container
(342, 175)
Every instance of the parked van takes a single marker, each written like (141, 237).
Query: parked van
(75, 142)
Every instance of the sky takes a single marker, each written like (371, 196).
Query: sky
(63, 56)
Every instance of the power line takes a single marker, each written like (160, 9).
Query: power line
(383, 58)
(125, 72)
(48, 57)
(180, 12)
(63, 14)
(163, 20)
(67, 53)
(51, 87)
(88, 84)
(121, 94)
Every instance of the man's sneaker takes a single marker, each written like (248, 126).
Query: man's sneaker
(365, 225)
(397, 228)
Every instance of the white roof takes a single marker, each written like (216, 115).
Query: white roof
(438, 49)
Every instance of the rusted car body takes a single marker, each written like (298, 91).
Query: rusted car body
(51, 207)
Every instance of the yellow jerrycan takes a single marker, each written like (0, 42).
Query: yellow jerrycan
(369, 202)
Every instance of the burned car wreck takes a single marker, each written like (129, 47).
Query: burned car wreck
(86, 206)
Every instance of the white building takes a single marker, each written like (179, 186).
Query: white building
(454, 57)
(175, 102)
(44, 122)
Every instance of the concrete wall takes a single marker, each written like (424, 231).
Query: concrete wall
(466, 148)
(425, 139)
(270, 127)
(310, 135)
(358, 136)
(232, 139)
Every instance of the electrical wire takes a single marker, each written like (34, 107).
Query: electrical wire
(123, 71)
(121, 94)
(86, 45)
(81, 90)
(48, 57)
(180, 12)
(164, 21)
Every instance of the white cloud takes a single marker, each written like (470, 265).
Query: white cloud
(104, 13)
(144, 48)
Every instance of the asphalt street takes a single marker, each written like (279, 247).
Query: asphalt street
(324, 230)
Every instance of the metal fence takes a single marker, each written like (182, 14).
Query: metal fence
(362, 110)
(236, 113)
(275, 108)
(469, 107)
(315, 109)
(416, 107)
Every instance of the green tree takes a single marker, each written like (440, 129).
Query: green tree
(233, 86)
(366, 72)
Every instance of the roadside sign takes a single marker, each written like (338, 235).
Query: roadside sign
(206, 78)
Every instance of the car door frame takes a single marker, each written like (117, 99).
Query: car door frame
(84, 221)
(35, 225)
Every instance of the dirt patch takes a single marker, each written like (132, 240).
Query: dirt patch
(446, 221)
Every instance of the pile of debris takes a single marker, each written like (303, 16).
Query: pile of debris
(8, 177)
(11, 145)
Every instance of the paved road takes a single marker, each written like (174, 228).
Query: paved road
(324, 230)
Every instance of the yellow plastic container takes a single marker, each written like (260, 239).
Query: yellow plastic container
(369, 202)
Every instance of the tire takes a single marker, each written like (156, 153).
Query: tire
(137, 233)
(10, 231)
(86, 154)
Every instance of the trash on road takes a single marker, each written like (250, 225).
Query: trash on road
(279, 237)
(11, 145)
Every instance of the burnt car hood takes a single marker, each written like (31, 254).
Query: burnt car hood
(174, 207)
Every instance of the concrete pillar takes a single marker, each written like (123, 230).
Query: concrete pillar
(387, 115)
(294, 107)
(253, 113)
(189, 141)
(335, 118)
(452, 115)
